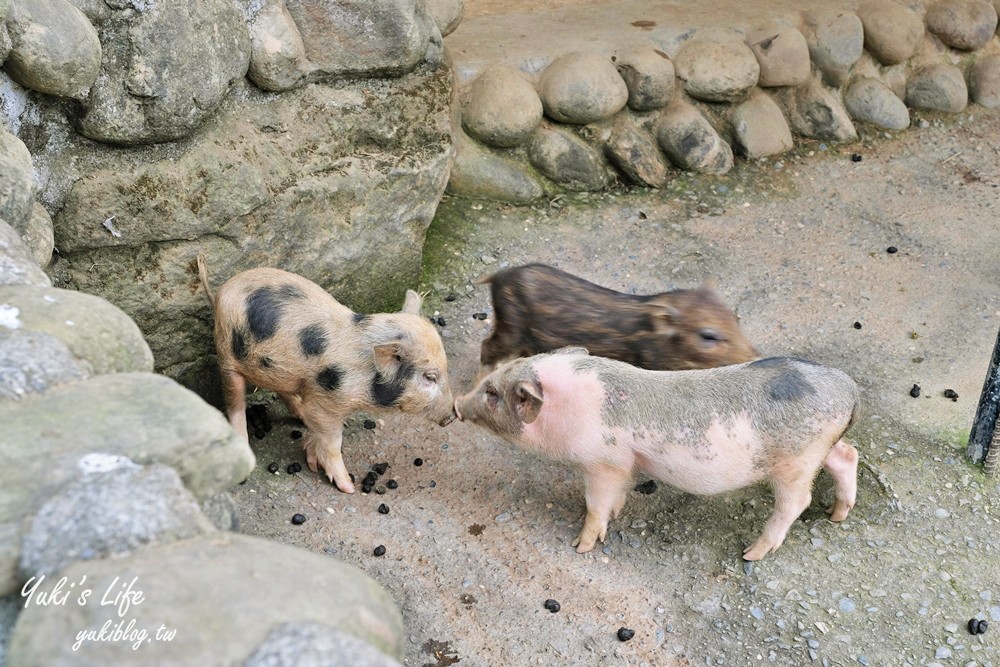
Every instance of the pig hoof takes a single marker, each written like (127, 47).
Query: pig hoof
(346, 487)
(757, 551)
(838, 511)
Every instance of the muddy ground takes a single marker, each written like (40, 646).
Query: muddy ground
(478, 537)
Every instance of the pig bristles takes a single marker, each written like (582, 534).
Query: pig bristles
(203, 277)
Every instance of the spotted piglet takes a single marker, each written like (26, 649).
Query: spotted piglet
(777, 420)
(281, 332)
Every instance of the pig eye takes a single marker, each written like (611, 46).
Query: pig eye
(431, 376)
(711, 336)
(491, 395)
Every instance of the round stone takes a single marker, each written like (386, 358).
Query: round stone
(581, 88)
(984, 81)
(691, 142)
(782, 53)
(760, 128)
(717, 71)
(871, 101)
(649, 75)
(963, 24)
(892, 31)
(836, 40)
(567, 159)
(503, 108)
(937, 88)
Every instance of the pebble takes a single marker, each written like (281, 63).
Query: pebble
(915, 391)
(380, 490)
(418, 462)
(299, 519)
(942, 652)
(942, 513)
(272, 468)
(625, 634)
(379, 550)
(757, 613)
(846, 605)
(383, 508)
(488, 259)
(552, 605)
(505, 516)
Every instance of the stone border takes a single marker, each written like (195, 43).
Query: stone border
(589, 120)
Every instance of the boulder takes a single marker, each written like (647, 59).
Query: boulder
(447, 14)
(649, 76)
(10, 607)
(160, 78)
(567, 159)
(581, 88)
(54, 48)
(226, 596)
(17, 182)
(836, 40)
(303, 181)
(892, 31)
(984, 82)
(277, 55)
(503, 108)
(222, 511)
(816, 113)
(147, 418)
(717, 71)
(479, 173)
(782, 53)
(691, 142)
(364, 38)
(759, 128)
(871, 101)
(311, 645)
(109, 513)
(634, 151)
(937, 88)
(101, 338)
(17, 266)
(32, 361)
(963, 24)
(38, 236)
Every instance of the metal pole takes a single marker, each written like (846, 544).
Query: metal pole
(985, 424)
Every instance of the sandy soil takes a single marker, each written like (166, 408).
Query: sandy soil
(478, 537)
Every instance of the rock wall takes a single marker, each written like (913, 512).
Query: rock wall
(636, 115)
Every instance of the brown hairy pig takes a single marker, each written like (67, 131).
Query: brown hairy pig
(539, 308)
(284, 333)
(704, 432)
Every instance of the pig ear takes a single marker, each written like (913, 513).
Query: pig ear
(412, 303)
(665, 320)
(388, 356)
(528, 401)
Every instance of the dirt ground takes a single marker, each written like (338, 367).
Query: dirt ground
(478, 537)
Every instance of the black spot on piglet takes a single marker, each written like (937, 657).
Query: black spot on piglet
(789, 385)
(329, 378)
(264, 308)
(387, 390)
(359, 318)
(312, 340)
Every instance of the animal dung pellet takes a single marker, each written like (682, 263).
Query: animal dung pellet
(383, 508)
(552, 605)
(983, 626)
(392, 484)
(915, 391)
(625, 634)
(295, 435)
(951, 393)
(479, 316)
(441, 321)
(418, 462)
(272, 468)
(892, 250)
(450, 297)
(380, 468)
(298, 519)
(379, 550)
(294, 468)
(857, 325)
(856, 157)
(369, 424)
(646, 488)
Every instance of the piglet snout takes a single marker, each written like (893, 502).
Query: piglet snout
(456, 411)
(449, 418)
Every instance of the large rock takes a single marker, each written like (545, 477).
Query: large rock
(277, 55)
(54, 48)
(717, 71)
(691, 142)
(37, 234)
(984, 82)
(223, 594)
(782, 53)
(33, 361)
(361, 37)
(336, 184)
(581, 88)
(160, 77)
(313, 645)
(10, 607)
(567, 159)
(479, 173)
(963, 24)
(633, 150)
(17, 183)
(109, 513)
(17, 266)
(759, 128)
(937, 88)
(816, 113)
(892, 31)
(146, 417)
(447, 14)
(649, 76)
(101, 337)
(871, 101)
(503, 108)
(836, 40)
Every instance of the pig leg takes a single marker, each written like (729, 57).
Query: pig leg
(842, 464)
(606, 488)
(792, 495)
(322, 445)
(234, 392)
(294, 404)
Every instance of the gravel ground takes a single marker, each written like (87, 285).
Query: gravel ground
(478, 537)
